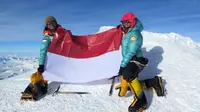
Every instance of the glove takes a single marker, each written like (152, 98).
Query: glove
(118, 26)
(121, 71)
(123, 87)
(41, 68)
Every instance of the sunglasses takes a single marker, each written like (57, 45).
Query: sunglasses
(51, 23)
(126, 21)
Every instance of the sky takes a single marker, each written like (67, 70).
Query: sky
(22, 21)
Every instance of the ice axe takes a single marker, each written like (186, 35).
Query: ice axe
(112, 84)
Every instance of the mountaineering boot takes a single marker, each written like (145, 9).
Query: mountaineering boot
(28, 93)
(123, 87)
(45, 86)
(40, 90)
(39, 82)
(157, 85)
(139, 103)
(36, 89)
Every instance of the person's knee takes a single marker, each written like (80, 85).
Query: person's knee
(129, 76)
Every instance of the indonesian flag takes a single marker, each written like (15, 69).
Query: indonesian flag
(83, 59)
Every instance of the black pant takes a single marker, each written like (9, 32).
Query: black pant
(132, 69)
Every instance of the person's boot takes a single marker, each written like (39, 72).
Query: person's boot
(33, 92)
(157, 85)
(27, 95)
(139, 103)
(40, 90)
(123, 87)
(45, 84)
(39, 82)
(37, 88)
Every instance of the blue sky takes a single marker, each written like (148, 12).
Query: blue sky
(22, 21)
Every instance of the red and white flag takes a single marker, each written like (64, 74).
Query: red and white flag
(82, 59)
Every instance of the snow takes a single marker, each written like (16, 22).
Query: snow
(172, 56)
(13, 65)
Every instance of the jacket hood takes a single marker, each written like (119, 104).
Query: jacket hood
(138, 25)
(131, 17)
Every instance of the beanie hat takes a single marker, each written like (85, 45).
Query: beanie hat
(50, 19)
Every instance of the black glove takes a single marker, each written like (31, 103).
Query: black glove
(41, 68)
(118, 26)
(121, 71)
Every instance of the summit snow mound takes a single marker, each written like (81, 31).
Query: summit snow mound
(174, 57)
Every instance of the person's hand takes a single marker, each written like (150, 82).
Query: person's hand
(118, 26)
(121, 71)
(41, 68)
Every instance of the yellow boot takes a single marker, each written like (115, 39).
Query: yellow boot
(123, 87)
(36, 77)
(143, 84)
(154, 83)
(139, 103)
(36, 89)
